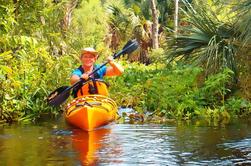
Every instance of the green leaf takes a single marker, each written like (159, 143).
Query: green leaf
(6, 69)
(6, 55)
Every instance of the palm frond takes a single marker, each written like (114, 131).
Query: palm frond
(119, 21)
(243, 22)
(207, 41)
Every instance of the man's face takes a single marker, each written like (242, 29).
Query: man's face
(88, 59)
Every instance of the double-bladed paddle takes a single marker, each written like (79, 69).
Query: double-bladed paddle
(58, 96)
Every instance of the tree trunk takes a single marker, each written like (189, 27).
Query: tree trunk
(155, 42)
(68, 14)
(16, 3)
(176, 18)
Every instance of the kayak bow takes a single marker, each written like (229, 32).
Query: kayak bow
(90, 111)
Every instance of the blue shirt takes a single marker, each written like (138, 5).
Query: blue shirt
(101, 72)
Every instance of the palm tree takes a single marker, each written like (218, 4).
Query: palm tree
(242, 27)
(126, 25)
(206, 41)
(119, 26)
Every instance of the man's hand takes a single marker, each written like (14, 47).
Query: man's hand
(85, 76)
(110, 59)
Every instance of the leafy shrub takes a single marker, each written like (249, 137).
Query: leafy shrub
(27, 76)
(238, 106)
(174, 92)
(32, 62)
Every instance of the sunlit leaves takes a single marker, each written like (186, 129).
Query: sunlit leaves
(7, 20)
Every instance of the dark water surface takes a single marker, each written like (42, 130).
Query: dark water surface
(55, 143)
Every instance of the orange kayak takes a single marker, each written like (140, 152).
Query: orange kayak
(90, 112)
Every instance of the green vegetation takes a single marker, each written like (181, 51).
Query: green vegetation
(176, 92)
(203, 73)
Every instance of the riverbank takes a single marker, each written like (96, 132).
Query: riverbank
(175, 92)
(179, 92)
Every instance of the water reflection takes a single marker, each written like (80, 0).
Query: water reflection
(55, 143)
(87, 144)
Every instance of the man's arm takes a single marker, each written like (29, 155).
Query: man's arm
(114, 69)
(74, 78)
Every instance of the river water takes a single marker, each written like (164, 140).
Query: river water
(55, 143)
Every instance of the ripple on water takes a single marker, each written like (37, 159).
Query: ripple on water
(61, 132)
(241, 151)
(139, 145)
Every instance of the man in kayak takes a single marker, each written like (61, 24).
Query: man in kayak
(88, 58)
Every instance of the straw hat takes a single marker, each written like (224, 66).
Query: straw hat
(89, 50)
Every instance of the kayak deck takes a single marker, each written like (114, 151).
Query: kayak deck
(90, 111)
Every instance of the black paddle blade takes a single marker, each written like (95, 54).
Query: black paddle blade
(58, 96)
(130, 46)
